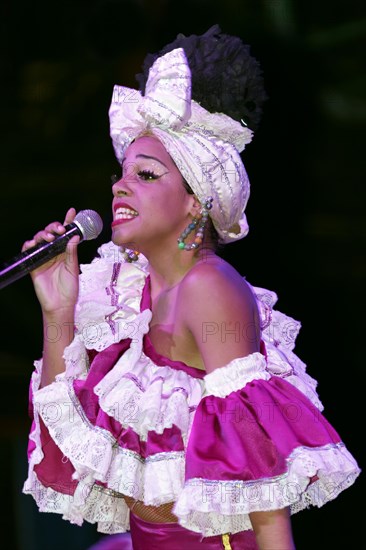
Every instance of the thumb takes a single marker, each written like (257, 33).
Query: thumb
(70, 215)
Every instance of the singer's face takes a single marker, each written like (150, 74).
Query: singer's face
(150, 206)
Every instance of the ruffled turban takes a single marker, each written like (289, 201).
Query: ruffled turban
(204, 146)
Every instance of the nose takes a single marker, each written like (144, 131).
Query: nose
(120, 186)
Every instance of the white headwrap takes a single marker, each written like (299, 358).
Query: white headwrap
(205, 146)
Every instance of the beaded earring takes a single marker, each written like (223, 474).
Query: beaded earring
(200, 222)
(130, 255)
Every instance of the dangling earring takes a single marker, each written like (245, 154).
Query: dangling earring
(200, 222)
(130, 255)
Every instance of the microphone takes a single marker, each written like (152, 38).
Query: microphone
(87, 225)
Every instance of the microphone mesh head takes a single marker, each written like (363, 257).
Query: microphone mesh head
(90, 224)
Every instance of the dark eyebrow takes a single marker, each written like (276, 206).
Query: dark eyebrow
(149, 157)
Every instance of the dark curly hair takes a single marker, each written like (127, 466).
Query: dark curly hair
(225, 77)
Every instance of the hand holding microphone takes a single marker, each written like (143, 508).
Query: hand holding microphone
(56, 242)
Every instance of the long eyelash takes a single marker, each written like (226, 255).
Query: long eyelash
(146, 173)
(149, 174)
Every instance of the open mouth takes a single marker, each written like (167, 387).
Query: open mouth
(123, 213)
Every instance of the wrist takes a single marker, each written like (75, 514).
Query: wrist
(59, 325)
(60, 314)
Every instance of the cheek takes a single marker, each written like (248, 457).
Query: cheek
(179, 195)
(168, 212)
(175, 206)
(166, 202)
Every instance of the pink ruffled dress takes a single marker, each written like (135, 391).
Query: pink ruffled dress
(123, 420)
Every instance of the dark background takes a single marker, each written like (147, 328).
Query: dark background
(59, 62)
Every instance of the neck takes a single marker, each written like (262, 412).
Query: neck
(168, 267)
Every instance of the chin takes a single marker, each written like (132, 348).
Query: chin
(120, 241)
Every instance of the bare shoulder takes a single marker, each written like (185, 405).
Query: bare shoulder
(216, 282)
(220, 310)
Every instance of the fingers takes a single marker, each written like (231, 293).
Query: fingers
(28, 244)
(48, 234)
(51, 231)
(70, 215)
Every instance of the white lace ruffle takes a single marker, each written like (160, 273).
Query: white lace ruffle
(216, 507)
(101, 506)
(109, 299)
(234, 376)
(279, 333)
(146, 397)
(35, 434)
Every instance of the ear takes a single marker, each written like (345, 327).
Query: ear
(195, 206)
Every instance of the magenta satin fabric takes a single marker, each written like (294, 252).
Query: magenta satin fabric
(172, 536)
(54, 470)
(249, 434)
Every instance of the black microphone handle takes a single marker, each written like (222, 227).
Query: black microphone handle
(34, 257)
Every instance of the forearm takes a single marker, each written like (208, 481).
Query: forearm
(58, 329)
(273, 530)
